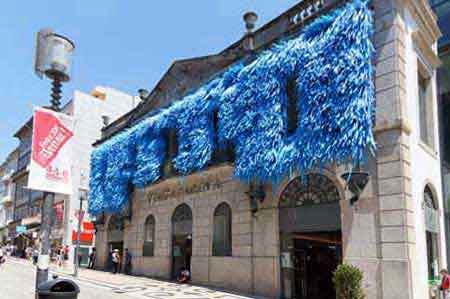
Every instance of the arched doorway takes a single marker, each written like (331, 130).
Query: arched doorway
(430, 206)
(116, 228)
(181, 239)
(310, 237)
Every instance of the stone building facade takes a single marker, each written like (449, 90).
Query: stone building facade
(90, 111)
(7, 187)
(394, 232)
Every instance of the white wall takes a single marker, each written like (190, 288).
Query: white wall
(87, 112)
(425, 166)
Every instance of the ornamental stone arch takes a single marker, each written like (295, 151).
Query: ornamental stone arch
(428, 184)
(432, 229)
(308, 203)
(330, 175)
(310, 232)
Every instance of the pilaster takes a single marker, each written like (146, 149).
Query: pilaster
(396, 227)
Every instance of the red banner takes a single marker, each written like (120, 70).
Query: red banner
(51, 156)
(49, 136)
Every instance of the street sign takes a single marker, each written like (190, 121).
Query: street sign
(21, 229)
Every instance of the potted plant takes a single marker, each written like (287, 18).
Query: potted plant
(347, 281)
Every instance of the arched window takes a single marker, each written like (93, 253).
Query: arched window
(292, 110)
(149, 236)
(222, 230)
(431, 232)
(168, 168)
(221, 153)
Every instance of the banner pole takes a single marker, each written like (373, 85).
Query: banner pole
(47, 208)
(46, 223)
(77, 250)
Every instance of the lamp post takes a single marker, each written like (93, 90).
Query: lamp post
(53, 59)
(256, 192)
(80, 220)
(356, 182)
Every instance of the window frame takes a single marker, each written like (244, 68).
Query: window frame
(432, 238)
(220, 154)
(426, 105)
(226, 248)
(292, 113)
(149, 245)
(168, 167)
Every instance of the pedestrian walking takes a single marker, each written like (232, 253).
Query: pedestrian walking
(92, 258)
(109, 264)
(61, 257)
(35, 255)
(116, 260)
(28, 252)
(66, 252)
(445, 284)
(2, 257)
(79, 258)
(127, 257)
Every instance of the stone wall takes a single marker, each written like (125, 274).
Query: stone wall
(254, 237)
(378, 231)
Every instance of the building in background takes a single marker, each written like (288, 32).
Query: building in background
(7, 188)
(90, 113)
(288, 242)
(442, 10)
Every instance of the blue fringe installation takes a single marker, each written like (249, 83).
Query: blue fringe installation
(330, 63)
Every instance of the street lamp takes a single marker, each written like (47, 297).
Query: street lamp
(356, 182)
(53, 59)
(255, 193)
(82, 197)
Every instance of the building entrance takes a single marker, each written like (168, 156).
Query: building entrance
(310, 237)
(116, 228)
(181, 239)
(315, 258)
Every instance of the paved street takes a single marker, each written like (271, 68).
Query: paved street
(17, 282)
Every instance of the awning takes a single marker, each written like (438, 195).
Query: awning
(28, 232)
(31, 220)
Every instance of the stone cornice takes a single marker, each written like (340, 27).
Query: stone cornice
(424, 17)
(399, 124)
(428, 54)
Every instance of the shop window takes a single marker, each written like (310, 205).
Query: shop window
(222, 231)
(431, 233)
(292, 109)
(171, 152)
(426, 121)
(149, 237)
(220, 155)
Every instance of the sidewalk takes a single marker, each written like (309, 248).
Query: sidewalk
(142, 287)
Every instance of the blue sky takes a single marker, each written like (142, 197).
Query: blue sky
(123, 44)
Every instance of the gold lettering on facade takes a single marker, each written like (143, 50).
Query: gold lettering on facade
(183, 187)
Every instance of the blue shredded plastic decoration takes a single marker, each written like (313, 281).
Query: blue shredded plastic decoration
(330, 62)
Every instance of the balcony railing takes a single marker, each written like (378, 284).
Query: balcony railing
(23, 161)
(6, 200)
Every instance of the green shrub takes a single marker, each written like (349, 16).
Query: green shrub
(347, 280)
